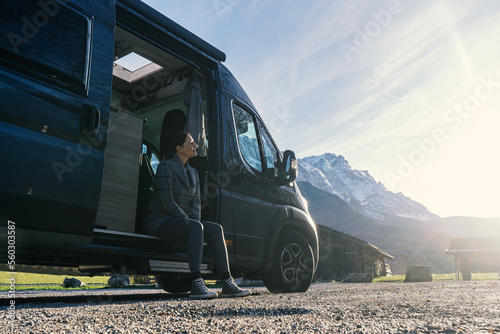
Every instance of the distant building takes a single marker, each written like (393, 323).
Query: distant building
(341, 254)
(475, 254)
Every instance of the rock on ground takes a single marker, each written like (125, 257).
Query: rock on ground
(118, 281)
(418, 273)
(72, 283)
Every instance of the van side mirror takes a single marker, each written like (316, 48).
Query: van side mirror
(289, 167)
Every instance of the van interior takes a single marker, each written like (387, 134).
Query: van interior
(154, 95)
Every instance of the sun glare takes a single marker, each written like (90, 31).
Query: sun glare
(463, 171)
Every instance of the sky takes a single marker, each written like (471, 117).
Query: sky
(407, 90)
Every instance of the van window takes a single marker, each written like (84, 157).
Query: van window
(247, 137)
(152, 155)
(46, 38)
(270, 152)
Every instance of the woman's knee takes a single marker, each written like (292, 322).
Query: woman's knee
(195, 227)
(214, 230)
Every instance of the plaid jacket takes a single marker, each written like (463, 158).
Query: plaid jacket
(176, 193)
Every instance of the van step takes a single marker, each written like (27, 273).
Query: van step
(177, 267)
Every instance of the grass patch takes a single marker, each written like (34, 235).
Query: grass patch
(52, 287)
(389, 279)
(443, 277)
(29, 278)
(485, 276)
(27, 281)
(60, 287)
(35, 282)
(212, 284)
(439, 278)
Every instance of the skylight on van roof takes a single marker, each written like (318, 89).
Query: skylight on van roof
(133, 67)
(133, 62)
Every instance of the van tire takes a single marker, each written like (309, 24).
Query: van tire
(174, 284)
(292, 268)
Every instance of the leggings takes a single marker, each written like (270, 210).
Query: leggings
(174, 229)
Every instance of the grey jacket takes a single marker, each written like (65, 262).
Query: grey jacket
(176, 193)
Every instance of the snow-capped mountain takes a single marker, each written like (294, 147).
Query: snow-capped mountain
(359, 189)
(250, 150)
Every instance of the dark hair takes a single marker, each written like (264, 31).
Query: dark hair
(177, 139)
(173, 122)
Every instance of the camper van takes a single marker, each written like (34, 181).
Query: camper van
(88, 91)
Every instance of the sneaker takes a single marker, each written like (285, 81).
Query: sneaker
(230, 289)
(200, 291)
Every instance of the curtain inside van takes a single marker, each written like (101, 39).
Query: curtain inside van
(193, 100)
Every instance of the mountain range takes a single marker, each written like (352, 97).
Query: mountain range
(352, 202)
(332, 173)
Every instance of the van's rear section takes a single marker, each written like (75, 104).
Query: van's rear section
(89, 92)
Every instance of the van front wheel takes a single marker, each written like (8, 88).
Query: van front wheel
(174, 284)
(292, 268)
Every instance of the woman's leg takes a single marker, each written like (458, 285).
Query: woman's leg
(180, 229)
(174, 229)
(215, 238)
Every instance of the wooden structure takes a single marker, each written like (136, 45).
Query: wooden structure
(475, 254)
(341, 255)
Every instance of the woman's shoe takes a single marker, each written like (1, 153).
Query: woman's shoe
(200, 291)
(230, 289)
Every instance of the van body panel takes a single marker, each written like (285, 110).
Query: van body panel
(230, 84)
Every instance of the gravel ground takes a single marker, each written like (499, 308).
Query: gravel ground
(437, 307)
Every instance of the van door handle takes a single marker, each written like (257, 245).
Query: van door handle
(90, 119)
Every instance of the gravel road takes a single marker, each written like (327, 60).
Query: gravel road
(437, 307)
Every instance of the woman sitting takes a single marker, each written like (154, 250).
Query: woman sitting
(174, 214)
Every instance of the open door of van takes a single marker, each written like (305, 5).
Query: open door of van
(55, 88)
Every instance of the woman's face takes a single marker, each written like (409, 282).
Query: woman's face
(188, 149)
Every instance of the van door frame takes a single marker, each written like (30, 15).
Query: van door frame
(136, 23)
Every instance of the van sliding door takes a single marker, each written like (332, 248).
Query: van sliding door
(55, 87)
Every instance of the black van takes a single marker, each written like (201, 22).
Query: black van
(86, 90)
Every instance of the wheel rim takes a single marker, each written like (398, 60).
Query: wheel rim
(293, 263)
